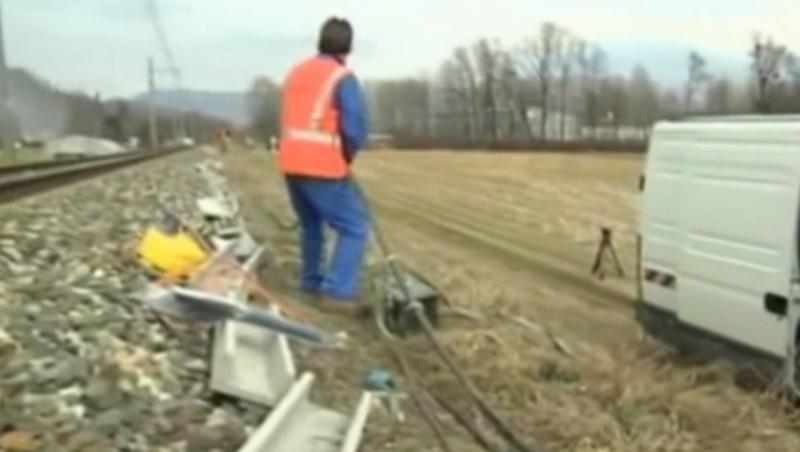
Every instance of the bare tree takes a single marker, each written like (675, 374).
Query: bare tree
(458, 81)
(788, 95)
(461, 84)
(400, 107)
(488, 60)
(468, 83)
(643, 99)
(719, 96)
(613, 102)
(769, 61)
(512, 97)
(518, 94)
(592, 64)
(698, 76)
(566, 61)
(671, 103)
(264, 105)
(794, 70)
(453, 101)
(538, 59)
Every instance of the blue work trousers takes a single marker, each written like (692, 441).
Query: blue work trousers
(337, 204)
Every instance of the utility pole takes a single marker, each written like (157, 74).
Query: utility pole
(5, 107)
(181, 113)
(100, 115)
(153, 125)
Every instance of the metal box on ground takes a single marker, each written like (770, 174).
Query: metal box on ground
(400, 320)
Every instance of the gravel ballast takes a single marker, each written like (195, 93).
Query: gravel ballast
(84, 367)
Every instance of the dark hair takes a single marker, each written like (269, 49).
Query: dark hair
(336, 37)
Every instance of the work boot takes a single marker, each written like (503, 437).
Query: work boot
(350, 308)
(310, 297)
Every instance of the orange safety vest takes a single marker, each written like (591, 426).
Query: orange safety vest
(310, 143)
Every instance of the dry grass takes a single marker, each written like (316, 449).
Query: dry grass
(22, 156)
(637, 396)
(510, 239)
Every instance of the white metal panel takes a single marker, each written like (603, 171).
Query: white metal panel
(260, 369)
(659, 222)
(248, 361)
(720, 208)
(772, 133)
(298, 425)
(739, 217)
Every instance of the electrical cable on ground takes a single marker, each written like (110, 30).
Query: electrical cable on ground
(412, 382)
(427, 328)
(468, 425)
(501, 427)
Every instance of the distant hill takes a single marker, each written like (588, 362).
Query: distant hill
(229, 106)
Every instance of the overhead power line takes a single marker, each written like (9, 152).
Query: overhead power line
(163, 41)
(171, 64)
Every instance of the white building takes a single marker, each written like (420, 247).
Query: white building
(77, 146)
(553, 127)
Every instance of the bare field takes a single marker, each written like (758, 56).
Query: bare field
(511, 239)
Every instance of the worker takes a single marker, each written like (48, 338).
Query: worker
(323, 126)
(222, 140)
(273, 144)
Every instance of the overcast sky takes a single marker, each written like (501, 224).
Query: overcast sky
(102, 45)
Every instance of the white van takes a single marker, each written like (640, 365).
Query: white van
(719, 238)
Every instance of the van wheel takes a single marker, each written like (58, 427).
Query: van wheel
(796, 379)
(795, 382)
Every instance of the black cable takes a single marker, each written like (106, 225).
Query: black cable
(432, 422)
(418, 311)
(462, 419)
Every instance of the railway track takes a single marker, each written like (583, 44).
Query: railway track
(24, 180)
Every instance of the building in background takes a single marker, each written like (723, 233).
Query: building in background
(79, 146)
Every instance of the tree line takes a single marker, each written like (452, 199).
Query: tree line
(554, 87)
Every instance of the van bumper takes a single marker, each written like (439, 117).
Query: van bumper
(668, 328)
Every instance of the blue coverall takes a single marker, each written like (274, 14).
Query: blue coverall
(335, 203)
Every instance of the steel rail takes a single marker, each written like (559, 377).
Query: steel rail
(19, 181)
(60, 163)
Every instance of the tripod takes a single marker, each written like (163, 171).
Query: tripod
(606, 246)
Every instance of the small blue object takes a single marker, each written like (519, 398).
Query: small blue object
(379, 379)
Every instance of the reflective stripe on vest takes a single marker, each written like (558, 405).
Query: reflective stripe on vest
(312, 136)
(310, 143)
(325, 95)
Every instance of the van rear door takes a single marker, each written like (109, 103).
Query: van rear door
(661, 238)
(738, 221)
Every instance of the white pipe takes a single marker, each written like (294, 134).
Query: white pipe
(276, 419)
(356, 430)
